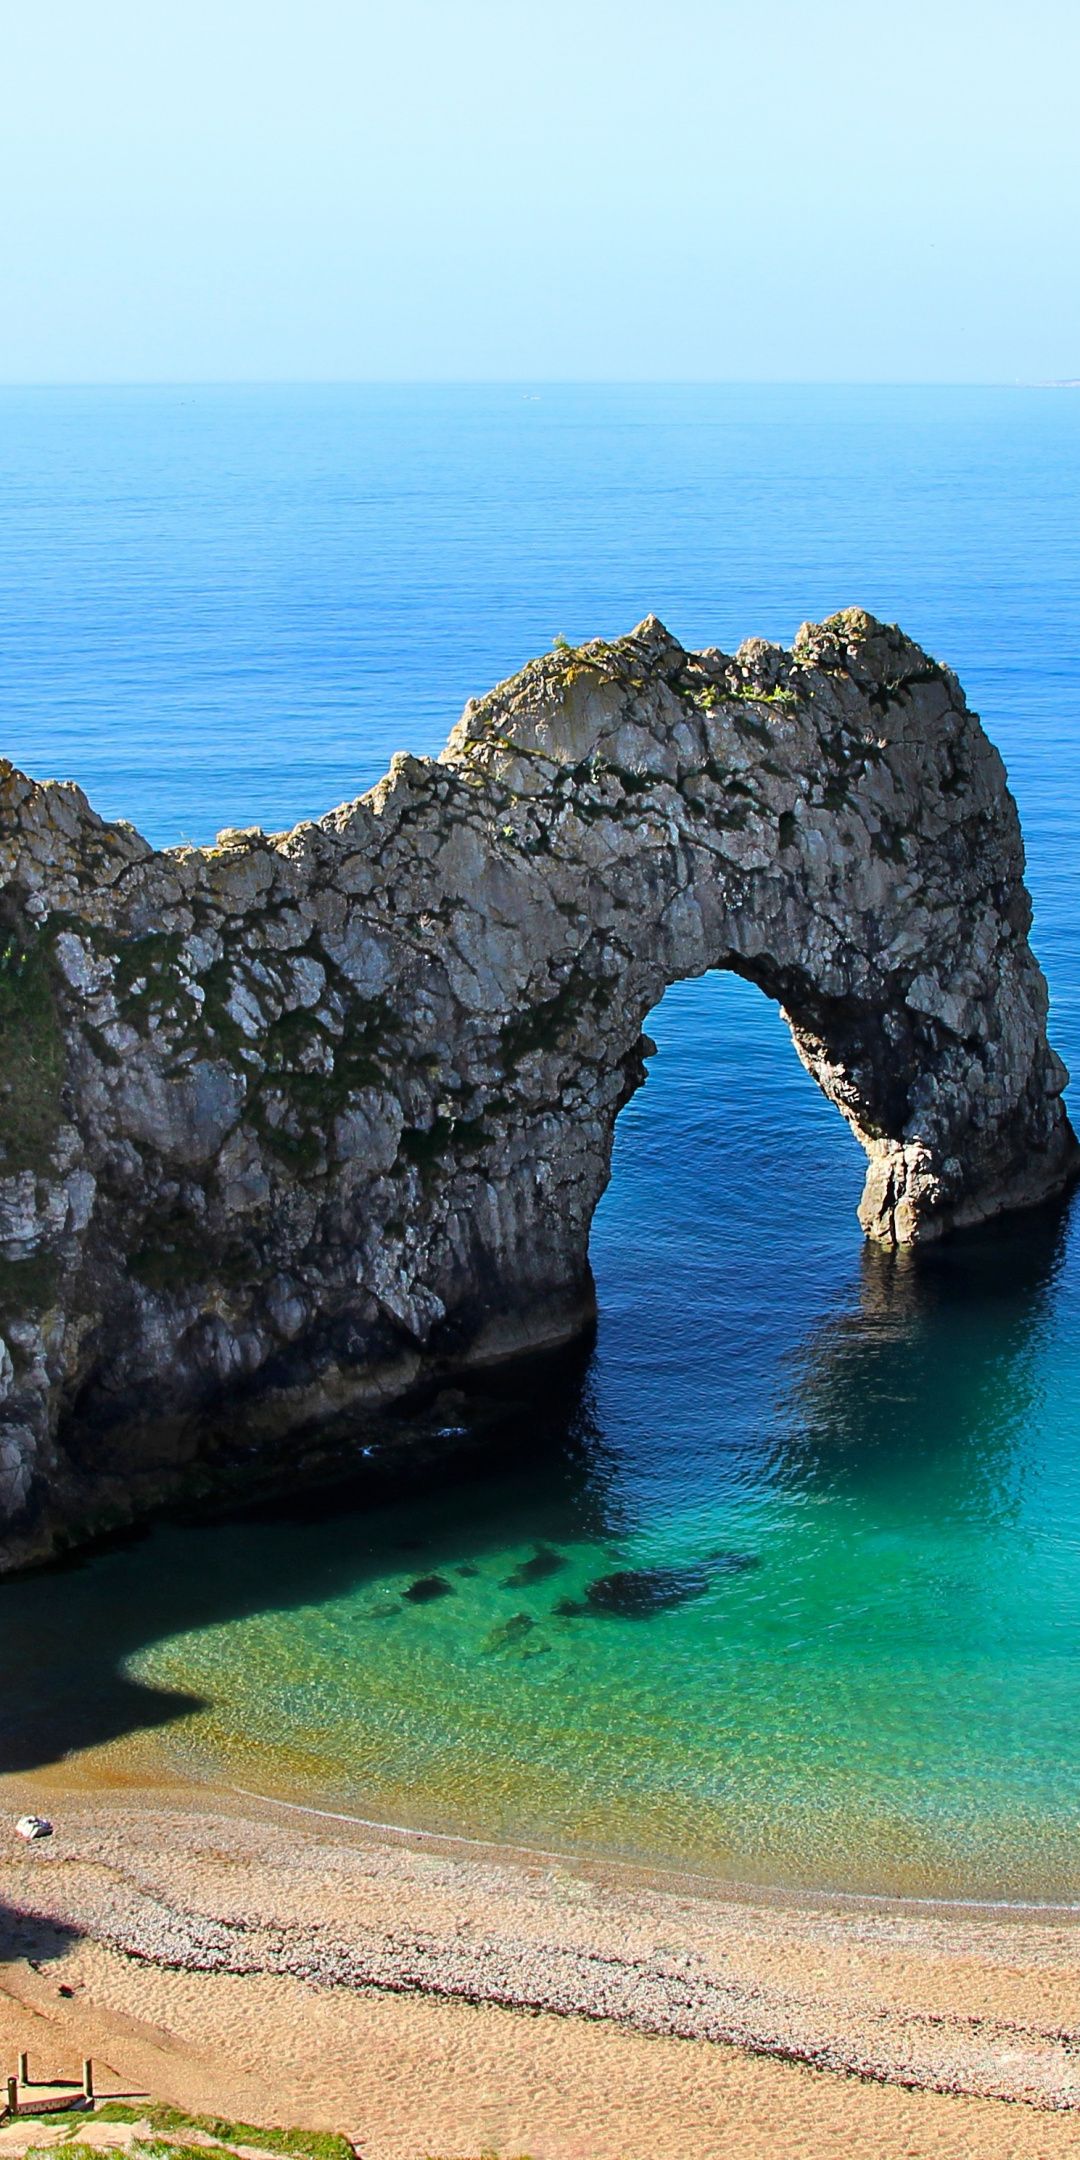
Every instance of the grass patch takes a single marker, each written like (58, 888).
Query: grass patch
(426, 1147)
(708, 696)
(184, 1264)
(176, 1266)
(215, 1018)
(29, 1285)
(546, 1025)
(150, 959)
(61, 2115)
(31, 1054)
(301, 1151)
(171, 2124)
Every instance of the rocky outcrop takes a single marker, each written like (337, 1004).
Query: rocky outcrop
(294, 1123)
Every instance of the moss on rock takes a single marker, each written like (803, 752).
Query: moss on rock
(32, 1055)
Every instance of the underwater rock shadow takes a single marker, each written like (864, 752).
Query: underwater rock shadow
(544, 1563)
(640, 1593)
(68, 1633)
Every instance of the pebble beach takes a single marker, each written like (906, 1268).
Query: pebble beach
(225, 1952)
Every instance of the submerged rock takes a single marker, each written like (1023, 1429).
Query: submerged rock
(506, 1634)
(299, 1123)
(427, 1588)
(543, 1564)
(636, 1593)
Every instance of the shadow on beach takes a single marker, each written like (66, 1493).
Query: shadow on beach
(26, 1936)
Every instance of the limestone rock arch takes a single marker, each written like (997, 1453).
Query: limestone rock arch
(292, 1123)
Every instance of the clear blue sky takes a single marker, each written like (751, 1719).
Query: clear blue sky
(239, 189)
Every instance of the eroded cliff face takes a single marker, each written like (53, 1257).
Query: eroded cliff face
(292, 1122)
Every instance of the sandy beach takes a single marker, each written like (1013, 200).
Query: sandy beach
(227, 1953)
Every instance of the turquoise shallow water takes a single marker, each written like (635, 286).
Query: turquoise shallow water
(846, 1488)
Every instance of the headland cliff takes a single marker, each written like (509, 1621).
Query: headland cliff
(298, 1123)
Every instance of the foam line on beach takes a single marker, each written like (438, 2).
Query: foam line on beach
(1040, 1909)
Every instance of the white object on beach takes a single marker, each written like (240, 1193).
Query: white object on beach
(33, 1826)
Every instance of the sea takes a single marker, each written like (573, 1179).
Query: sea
(858, 1474)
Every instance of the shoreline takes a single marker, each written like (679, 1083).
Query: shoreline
(667, 1871)
(191, 1908)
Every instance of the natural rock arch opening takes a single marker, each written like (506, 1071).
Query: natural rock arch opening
(726, 1155)
(293, 1123)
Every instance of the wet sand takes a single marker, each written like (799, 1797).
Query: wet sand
(228, 1954)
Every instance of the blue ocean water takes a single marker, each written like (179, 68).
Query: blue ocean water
(228, 606)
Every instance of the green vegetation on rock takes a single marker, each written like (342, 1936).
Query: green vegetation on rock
(28, 1285)
(172, 2136)
(31, 1054)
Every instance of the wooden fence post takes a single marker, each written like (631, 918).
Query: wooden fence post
(88, 2078)
(24, 2069)
(13, 2095)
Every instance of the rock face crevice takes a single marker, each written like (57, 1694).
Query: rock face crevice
(291, 1123)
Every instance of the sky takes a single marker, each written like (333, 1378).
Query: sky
(539, 190)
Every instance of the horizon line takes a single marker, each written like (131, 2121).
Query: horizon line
(537, 382)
